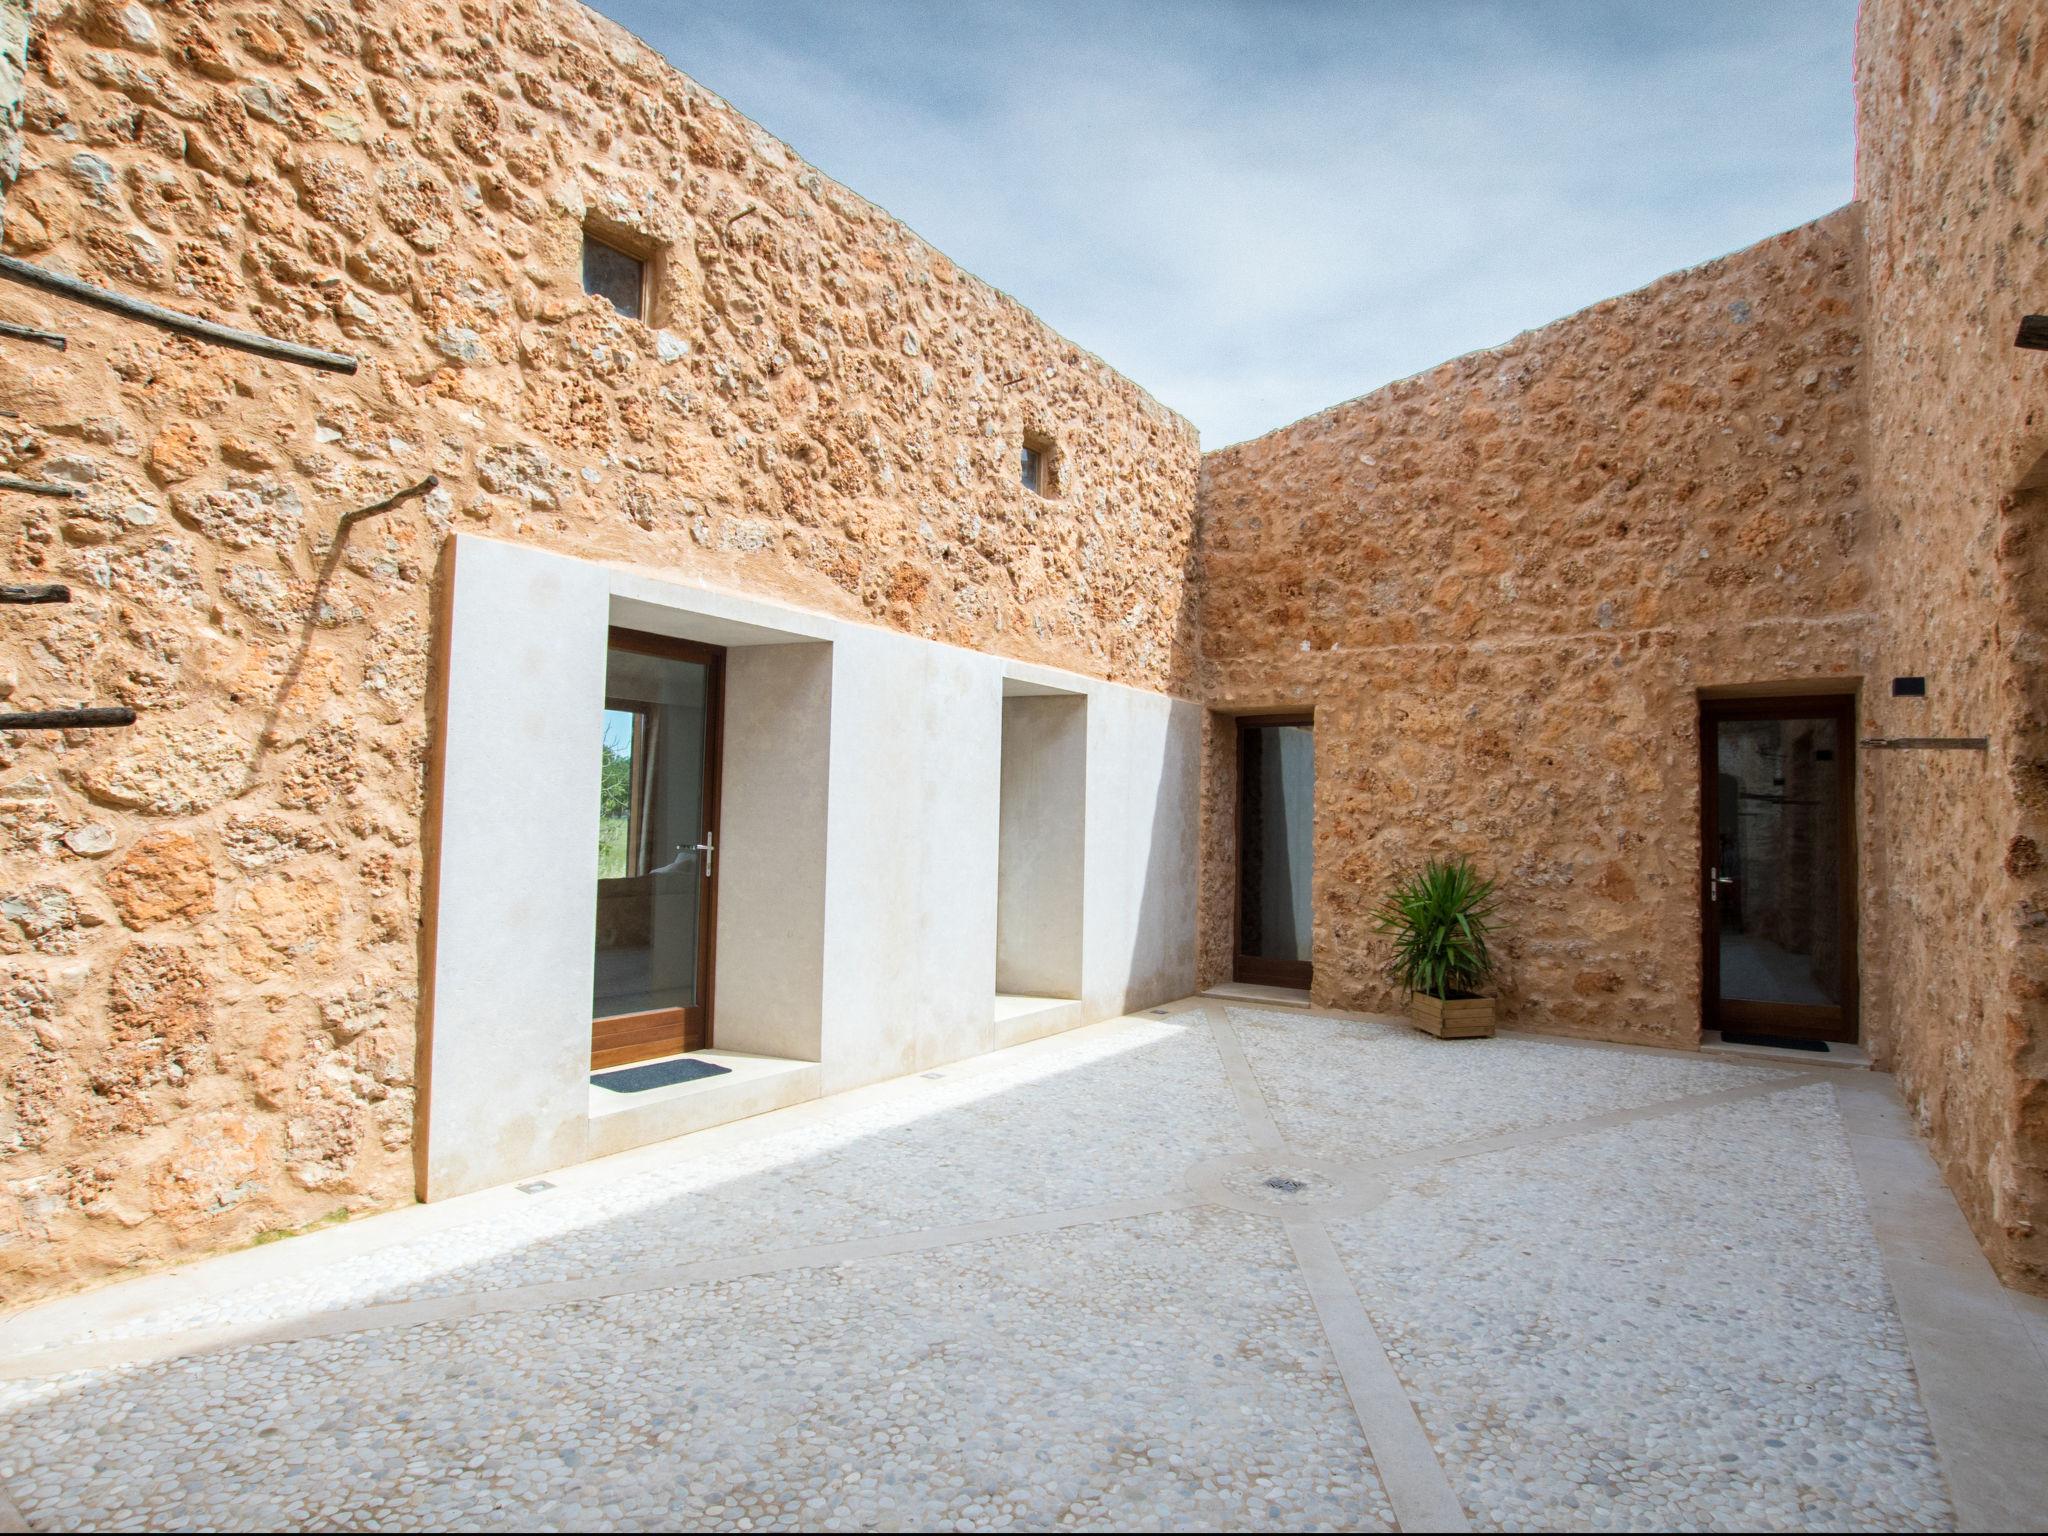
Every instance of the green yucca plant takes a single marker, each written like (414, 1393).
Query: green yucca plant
(1437, 918)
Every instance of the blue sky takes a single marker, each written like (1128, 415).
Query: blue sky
(1259, 209)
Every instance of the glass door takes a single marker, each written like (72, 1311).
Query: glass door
(1276, 795)
(1777, 816)
(657, 856)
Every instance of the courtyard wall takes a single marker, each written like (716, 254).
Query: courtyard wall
(1504, 583)
(209, 923)
(1501, 585)
(1953, 174)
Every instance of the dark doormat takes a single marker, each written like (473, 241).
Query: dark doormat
(1777, 1042)
(656, 1074)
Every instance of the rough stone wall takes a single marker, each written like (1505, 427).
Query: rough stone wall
(1501, 585)
(208, 924)
(14, 17)
(1953, 168)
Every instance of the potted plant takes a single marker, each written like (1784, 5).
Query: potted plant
(1437, 918)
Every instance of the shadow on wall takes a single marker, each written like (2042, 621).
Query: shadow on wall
(2023, 562)
(315, 606)
(431, 802)
(1174, 854)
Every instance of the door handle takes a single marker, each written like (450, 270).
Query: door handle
(707, 850)
(1715, 880)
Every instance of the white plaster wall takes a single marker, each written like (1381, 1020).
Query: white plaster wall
(911, 856)
(1144, 798)
(769, 981)
(883, 749)
(513, 876)
(1044, 834)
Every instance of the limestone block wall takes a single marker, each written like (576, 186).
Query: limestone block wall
(1500, 585)
(209, 924)
(1953, 169)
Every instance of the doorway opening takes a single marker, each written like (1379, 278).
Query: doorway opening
(1276, 791)
(1778, 867)
(657, 842)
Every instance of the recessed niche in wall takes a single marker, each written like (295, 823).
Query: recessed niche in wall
(1042, 818)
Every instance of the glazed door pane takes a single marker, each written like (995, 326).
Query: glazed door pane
(1778, 786)
(1276, 849)
(651, 832)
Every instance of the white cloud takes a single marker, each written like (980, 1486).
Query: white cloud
(1257, 210)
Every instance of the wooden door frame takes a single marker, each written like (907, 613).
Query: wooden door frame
(1796, 1020)
(712, 658)
(1257, 969)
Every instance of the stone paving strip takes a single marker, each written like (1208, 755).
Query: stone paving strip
(1762, 1311)
(1317, 1272)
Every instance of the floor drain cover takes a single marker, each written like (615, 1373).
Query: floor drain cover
(1283, 1181)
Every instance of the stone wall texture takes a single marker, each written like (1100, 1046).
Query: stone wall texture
(14, 29)
(1502, 584)
(1505, 584)
(1953, 173)
(209, 923)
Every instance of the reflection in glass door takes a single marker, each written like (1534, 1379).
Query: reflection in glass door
(1276, 794)
(1778, 866)
(656, 849)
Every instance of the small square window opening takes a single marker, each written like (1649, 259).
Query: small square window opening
(1038, 466)
(612, 274)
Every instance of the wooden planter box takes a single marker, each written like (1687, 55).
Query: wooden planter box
(1459, 1018)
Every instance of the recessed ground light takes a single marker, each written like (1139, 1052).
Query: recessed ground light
(931, 1074)
(533, 1186)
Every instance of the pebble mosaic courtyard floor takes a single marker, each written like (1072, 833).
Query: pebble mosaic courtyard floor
(1212, 1267)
